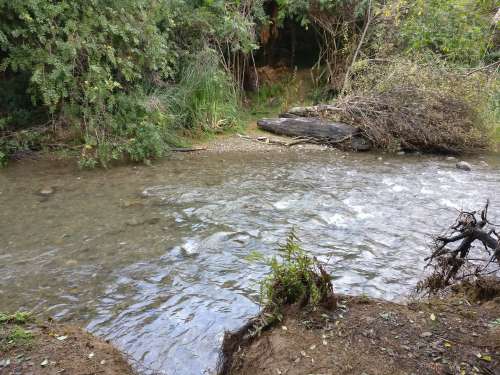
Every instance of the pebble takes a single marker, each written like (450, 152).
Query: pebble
(463, 165)
(426, 334)
(46, 191)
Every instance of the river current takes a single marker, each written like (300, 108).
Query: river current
(162, 259)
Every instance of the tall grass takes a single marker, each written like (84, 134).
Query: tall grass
(205, 99)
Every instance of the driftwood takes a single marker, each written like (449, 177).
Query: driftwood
(316, 130)
(311, 111)
(188, 149)
(465, 261)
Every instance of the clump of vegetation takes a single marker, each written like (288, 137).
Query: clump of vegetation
(421, 105)
(12, 333)
(295, 278)
(460, 31)
(205, 99)
(82, 73)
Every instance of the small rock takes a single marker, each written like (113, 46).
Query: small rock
(47, 191)
(451, 158)
(91, 355)
(426, 334)
(44, 363)
(463, 165)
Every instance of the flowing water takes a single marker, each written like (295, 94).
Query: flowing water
(161, 260)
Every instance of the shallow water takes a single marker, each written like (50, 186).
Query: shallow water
(160, 259)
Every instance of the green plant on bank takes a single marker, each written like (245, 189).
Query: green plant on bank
(461, 31)
(12, 334)
(295, 277)
(90, 67)
(205, 99)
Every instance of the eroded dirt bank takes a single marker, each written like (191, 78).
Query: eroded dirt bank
(52, 348)
(371, 337)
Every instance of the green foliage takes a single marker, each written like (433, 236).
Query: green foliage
(19, 317)
(461, 31)
(90, 65)
(296, 278)
(11, 332)
(205, 99)
(84, 58)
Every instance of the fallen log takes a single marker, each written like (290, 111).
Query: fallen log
(311, 111)
(318, 130)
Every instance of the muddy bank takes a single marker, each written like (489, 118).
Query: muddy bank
(53, 348)
(368, 336)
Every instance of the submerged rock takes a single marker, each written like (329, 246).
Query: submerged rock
(463, 165)
(46, 191)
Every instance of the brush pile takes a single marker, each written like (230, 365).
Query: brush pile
(418, 106)
(415, 107)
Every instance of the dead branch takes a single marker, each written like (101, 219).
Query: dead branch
(465, 261)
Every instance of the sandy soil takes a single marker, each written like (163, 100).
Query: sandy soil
(248, 140)
(61, 349)
(370, 337)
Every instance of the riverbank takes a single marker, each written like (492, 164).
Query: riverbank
(369, 336)
(31, 347)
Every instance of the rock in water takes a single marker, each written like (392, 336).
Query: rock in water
(463, 165)
(46, 191)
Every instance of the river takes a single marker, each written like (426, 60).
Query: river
(161, 259)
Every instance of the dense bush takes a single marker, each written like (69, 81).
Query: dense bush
(91, 64)
(461, 31)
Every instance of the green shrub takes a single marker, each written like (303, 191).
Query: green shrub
(296, 278)
(85, 61)
(459, 30)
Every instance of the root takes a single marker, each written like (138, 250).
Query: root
(464, 262)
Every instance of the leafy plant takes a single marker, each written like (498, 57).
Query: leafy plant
(295, 278)
(461, 31)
